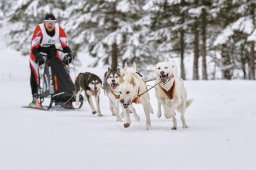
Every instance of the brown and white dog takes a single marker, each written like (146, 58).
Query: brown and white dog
(171, 92)
(91, 84)
(130, 88)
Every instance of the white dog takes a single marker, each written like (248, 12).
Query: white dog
(171, 92)
(130, 88)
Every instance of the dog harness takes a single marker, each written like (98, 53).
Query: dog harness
(116, 96)
(169, 93)
(137, 98)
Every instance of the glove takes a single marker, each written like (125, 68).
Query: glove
(68, 58)
(40, 58)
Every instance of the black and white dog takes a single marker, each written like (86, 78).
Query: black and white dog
(91, 84)
(110, 86)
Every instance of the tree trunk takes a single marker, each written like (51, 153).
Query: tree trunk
(243, 61)
(225, 55)
(114, 56)
(252, 62)
(182, 46)
(252, 46)
(204, 25)
(196, 51)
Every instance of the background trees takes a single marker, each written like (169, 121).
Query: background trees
(216, 36)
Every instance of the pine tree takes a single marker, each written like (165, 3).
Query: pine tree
(168, 28)
(104, 28)
(25, 15)
(237, 26)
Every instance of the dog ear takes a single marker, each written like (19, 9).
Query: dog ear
(132, 81)
(109, 69)
(134, 65)
(118, 71)
(121, 79)
(125, 65)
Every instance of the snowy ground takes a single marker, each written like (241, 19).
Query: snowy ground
(221, 133)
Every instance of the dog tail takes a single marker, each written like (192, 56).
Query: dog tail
(189, 102)
(181, 107)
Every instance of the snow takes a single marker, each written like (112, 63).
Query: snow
(243, 24)
(123, 6)
(221, 133)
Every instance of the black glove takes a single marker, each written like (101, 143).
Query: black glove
(68, 58)
(40, 58)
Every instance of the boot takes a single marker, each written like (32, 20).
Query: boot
(35, 102)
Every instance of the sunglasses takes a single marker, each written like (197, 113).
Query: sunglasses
(49, 21)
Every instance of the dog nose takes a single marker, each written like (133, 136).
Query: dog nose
(113, 81)
(162, 72)
(95, 88)
(122, 101)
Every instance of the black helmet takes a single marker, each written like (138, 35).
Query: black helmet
(49, 17)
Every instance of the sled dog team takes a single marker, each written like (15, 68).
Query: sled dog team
(126, 87)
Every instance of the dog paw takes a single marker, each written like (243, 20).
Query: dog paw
(174, 128)
(185, 126)
(148, 127)
(126, 125)
(100, 114)
(94, 112)
(159, 114)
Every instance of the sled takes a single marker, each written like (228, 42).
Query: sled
(54, 82)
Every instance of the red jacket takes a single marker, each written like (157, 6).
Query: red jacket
(36, 44)
(38, 36)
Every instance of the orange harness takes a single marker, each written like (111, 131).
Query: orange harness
(137, 98)
(169, 93)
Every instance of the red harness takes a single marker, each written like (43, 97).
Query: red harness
(137, 98)
(169, 93)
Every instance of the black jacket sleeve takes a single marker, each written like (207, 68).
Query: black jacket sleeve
(35, 51)
(66, 50)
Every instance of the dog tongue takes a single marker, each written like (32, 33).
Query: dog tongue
(95, 92)
(113, 85)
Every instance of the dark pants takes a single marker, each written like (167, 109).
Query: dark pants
(33, 84)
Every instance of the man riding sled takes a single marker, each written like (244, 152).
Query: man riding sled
(46, 38)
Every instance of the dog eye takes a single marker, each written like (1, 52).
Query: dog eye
(120, 92)
(158, 68)
(127, 92)
(173, 66)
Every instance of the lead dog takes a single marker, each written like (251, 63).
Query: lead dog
(171, 92)
(91, 84)
(130, 88)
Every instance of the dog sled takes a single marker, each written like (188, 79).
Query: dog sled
(55, 84)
